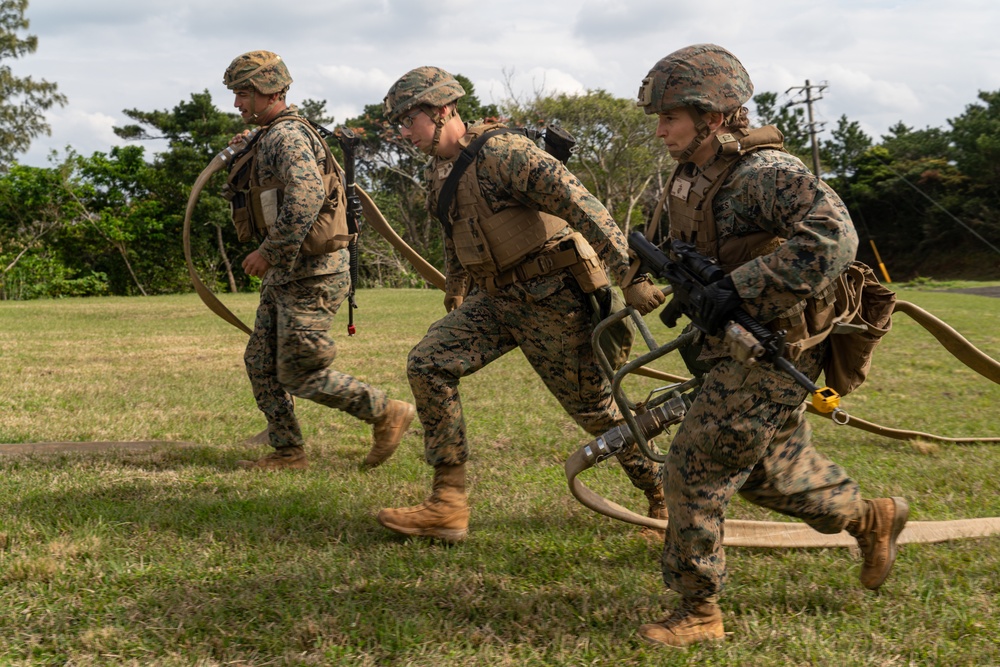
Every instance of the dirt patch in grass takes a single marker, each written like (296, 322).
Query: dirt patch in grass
(993, 291)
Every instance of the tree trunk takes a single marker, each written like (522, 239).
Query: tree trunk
(225, 260)
(124, 253)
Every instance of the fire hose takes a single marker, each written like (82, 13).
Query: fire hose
(660, 413)
(656, 420)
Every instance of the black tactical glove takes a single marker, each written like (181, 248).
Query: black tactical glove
(718, 302)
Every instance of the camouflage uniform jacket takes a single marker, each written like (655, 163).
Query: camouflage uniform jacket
(290, 154)
(773, 191)
(513, 171)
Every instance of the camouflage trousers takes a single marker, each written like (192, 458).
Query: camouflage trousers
(550, 319)
(746, 431)
(290, 352)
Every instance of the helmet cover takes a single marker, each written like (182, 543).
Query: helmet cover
(431, 86)
(262, 70)
(705, 76)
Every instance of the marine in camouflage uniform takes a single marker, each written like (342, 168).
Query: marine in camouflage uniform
(290, 349)
(543, 311)
(783, 236)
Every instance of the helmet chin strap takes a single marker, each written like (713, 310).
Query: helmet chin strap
(254, 118)
(703, 133)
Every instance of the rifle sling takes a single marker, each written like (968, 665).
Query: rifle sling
(465, 158)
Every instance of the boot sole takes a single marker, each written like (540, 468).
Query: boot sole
(451, 535)
(690, 640)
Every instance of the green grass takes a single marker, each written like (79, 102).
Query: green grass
(175, 557)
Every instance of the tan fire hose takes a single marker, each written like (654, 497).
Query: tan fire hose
(738, 533)
(788, 535)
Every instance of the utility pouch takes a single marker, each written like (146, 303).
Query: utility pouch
(330, 232)
(871, 305)
(241, 217)
(616, 341)
(821, 309)
(236, 192)
(588, 270)
(472, 247)
(264, 205)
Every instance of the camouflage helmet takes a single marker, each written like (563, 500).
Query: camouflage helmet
(424, 85)
(262, 70)
(705, 76)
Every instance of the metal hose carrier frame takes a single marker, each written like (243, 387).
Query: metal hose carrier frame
(780, 534)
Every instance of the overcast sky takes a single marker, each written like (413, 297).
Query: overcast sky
(916, 61)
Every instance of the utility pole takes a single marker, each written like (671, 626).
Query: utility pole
(813, 129)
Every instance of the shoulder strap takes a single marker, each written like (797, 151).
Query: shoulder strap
(465, 158)
(320, 133)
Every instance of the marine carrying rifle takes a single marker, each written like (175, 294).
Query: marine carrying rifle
(689, 275)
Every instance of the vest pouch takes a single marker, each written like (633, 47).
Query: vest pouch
(588, 271)
(793, 323)
(235, 191)
(821, 310)
(240, 214)
(514, 233)
(472, 247)
(330, 233)
(264, 205)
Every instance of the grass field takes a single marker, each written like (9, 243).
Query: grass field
(175, 557)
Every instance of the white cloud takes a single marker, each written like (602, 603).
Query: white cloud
(884, 61)
(85, 132)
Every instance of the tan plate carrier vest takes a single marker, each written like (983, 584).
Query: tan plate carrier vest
(493, 247)
(255, 204)
(692, 220)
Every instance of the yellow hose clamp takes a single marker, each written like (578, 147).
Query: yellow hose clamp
(826, 400)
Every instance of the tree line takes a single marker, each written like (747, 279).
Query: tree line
(110, 223)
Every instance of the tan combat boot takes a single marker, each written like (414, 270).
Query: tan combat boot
(389, 431)
(657, 510)
(444, 515)
(291, 458)
(695, 620)
(876, 531)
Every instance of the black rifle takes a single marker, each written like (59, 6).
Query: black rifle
(557, 141)
(348, 143)
(689, 275)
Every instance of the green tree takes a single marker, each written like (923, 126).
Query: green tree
(112, 193)
(34, 206)
(975, 141)
(195, 131)
(849, 143)
(791, 120)
(23, 100)
(905, 143)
